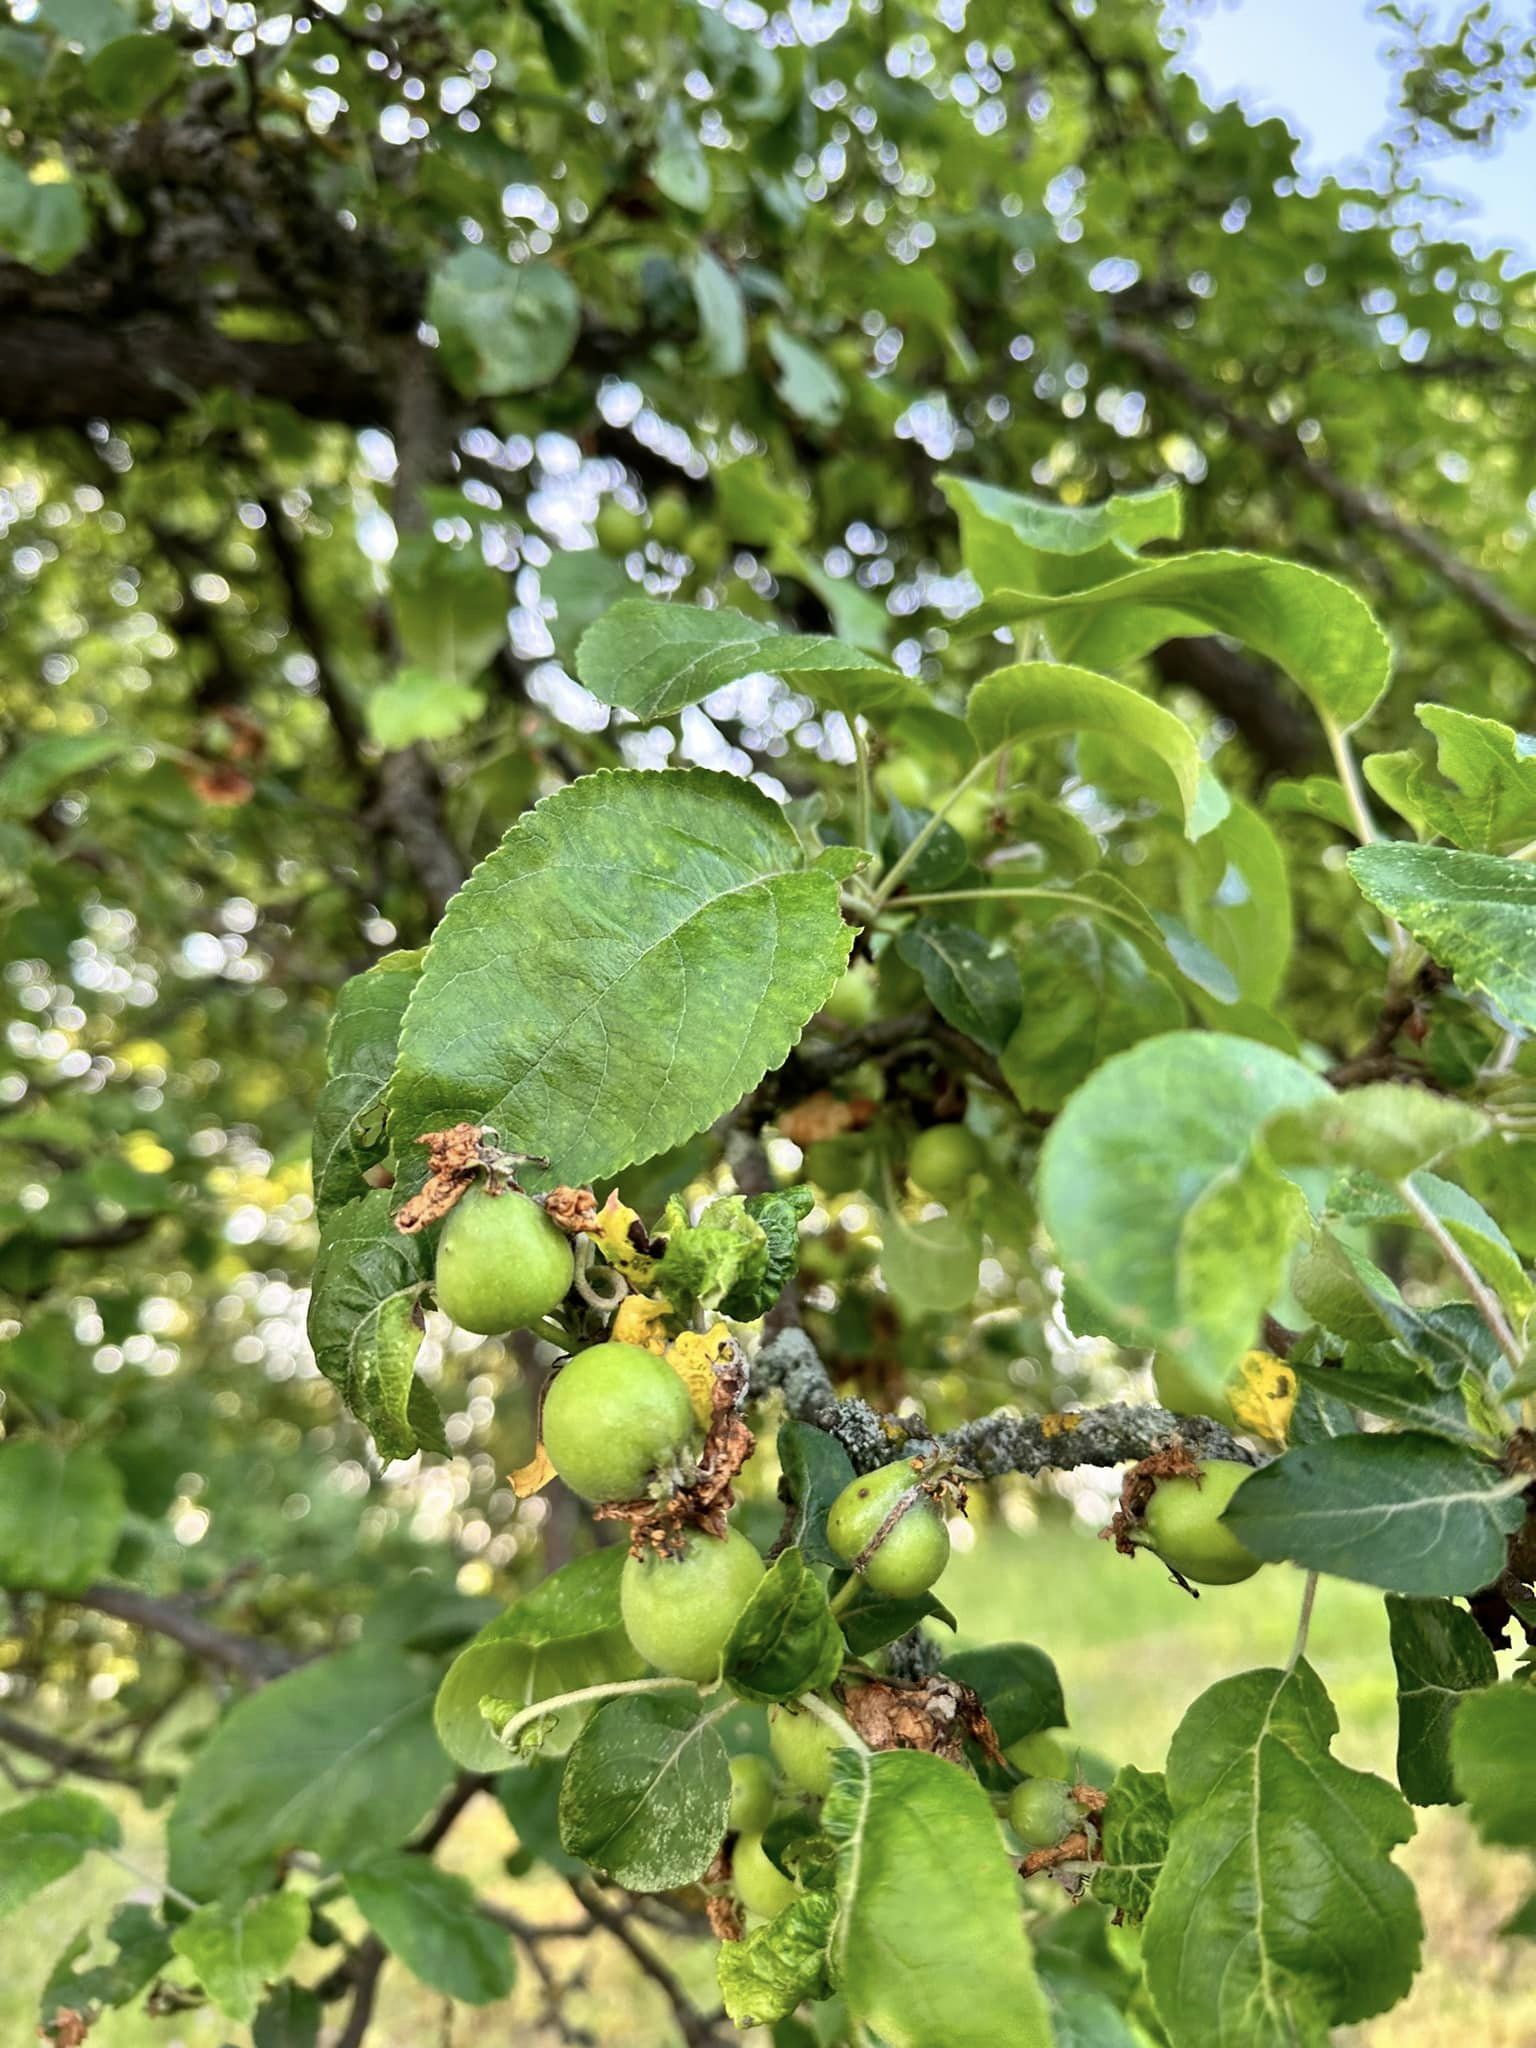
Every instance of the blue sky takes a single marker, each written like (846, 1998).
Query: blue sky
(1319, 63)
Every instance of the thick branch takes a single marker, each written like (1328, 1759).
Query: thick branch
(1117, 1434)
(1360, 507)
(247, 1657)
(64, 1756)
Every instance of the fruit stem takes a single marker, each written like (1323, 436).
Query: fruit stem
(920, 838)
(160, 1884)
(844, 1594)
(1483, 1296)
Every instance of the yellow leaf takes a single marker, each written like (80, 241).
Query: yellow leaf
(614, 1221)
(534, 1476)
(693, 1357)
(1263, 1395)
(642, 1320)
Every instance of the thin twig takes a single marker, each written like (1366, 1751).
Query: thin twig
(697, 2029)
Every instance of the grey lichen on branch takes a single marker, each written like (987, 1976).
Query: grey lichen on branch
(1119, 1433)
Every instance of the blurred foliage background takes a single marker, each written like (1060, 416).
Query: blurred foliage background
(352, 358)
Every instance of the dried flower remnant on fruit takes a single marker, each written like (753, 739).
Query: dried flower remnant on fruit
(720, 1909)
(707, 1498)
(935, 1714)
(574, 1209)
(1170, 1461)
(456, 1157)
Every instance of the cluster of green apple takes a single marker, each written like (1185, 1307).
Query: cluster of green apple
(618, 1425)
(672, 524)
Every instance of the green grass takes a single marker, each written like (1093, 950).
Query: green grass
(1133, 1652)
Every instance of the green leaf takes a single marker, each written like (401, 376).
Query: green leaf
(1235, 893)
(450, 611)
(1086, 995)
(725, 1251)
(91, 24)
(430, 1919)
(815, 1470)
(581, 584)
(43, 221)
(1360, 1198)
(289, 2017)
(778, 1213)
(972, 981)
(1473, 912)
(869, 1620)
(351, 1116)
(1406, 1512)
(1493, 1757)
(338, 1758)
(61, 1513)
(367, 1282)
(777, 1966)
(1314, 627)
(1440, 1655)
(632, 959)
(235, 1950)
(930, 1266)
(929, 1949)
(1492, 806)
(679, 166)
(505, 328)
(722, 315)
(127, 75)
(1046, 700)
(1278, 1913)
(417, 706)
(566, 1633)
(1133, 1834)
(1386, 1127)
(1011, 541)
(653, 658)
(142, 1945)
(45, 1838)
(785, 1641)
(38, 771)
(1016, 1684)
(646, 1792)
(807, 385)
(1396, 1390)
(1146, 1168)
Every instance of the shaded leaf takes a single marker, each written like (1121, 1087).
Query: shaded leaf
(1407, 1512)
(362, 1324)
(653, 658)
(61, 1513)
(972, 981)
(1440, 1655)
(351, 1116)
(1086, 995)
(46, 1837)
(785, 1641)
(565, 1633)
(301, 1764)
(430, 1919)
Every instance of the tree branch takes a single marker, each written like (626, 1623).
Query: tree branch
(697, 2029)
(1116, 1434)
(1360, 507)
(64, 1756)
(246, 1657)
